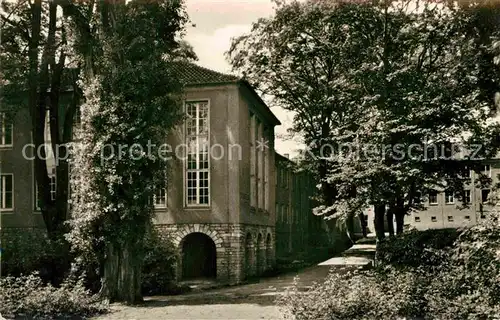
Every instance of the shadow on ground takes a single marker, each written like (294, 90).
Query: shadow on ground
(248, 301)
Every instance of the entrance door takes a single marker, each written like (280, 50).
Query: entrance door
(198, 257)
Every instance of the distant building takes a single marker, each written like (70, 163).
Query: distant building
(444, 210)
(297, 229)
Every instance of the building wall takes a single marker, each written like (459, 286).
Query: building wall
(245, 236)
(297, 228)
(450, 215)
(229, 215)
(12, 161)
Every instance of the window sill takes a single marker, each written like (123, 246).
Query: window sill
(449, 203)
(197, 207)
(7, 211)
(433, 204)
(6, 146)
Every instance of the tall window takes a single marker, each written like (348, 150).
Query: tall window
(485, 194)
(6, 129)
(160, 195)
(467, 197)
(265, 189)
(197, 173)
(7, 192)
(253, 162)
(53, 184)
(433, 199)
(260, 168)
(449, 197)
(52, 187)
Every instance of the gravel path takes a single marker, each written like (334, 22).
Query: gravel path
(249, 301)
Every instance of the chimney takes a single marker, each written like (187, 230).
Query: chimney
(286, 155)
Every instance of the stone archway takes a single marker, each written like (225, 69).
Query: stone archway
(269, 252)
(199, 256)
(249, 256)
(261, 257)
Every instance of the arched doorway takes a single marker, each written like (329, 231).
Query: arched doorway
(261, 263)
(249, 255)
(269, 252)
(199, 257)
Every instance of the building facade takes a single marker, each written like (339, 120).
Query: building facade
(218, 204)
(444, 210)
(298, 230)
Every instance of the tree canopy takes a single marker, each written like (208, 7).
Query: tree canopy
(385, 95)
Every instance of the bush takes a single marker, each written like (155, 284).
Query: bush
(414, 248)
(457, 279)
(357, 295)
(29, 297)
(159, 267)
(27, 251)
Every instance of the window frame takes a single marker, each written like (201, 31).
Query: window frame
(447, 196)
(437, 200)
(3, 126)
(489, 191)
(253, 160)
(185, 162)
(486, 172)
(266, 167)
(3, 193)
(467, 198)
(165, 192)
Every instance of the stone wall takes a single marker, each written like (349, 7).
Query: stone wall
(242, 250)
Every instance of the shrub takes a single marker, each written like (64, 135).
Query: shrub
(414, 248)
(26, 251)
(29, 297)
(457, 280)
(357, 295)
(159, 267)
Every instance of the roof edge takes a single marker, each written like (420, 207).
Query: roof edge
(247, 85)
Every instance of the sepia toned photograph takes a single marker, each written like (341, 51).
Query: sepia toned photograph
(250, 159)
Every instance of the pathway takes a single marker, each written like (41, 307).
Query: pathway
(249, 301)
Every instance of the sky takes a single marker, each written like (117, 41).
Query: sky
(216, 22)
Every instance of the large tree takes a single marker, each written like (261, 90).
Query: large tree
(370, 85)
(132, 100)
(35, 59)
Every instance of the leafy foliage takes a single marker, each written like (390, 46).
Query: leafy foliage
(25, 252)
(457, 281)
(132, 100)
(375, 88)
(159, 269)
(29, 297)
(416, 248)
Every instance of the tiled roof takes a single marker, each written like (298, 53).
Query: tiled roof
(192, 74)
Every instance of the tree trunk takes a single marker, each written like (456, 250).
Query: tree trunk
(350, 228)
(362, 222)
(400, 215)
(400, 218)
(121, 280)
(390, 221)
(379, 221)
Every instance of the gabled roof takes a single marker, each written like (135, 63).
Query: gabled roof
(192, 74)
